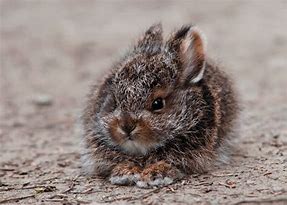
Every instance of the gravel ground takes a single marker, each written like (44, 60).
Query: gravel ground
(51, 51)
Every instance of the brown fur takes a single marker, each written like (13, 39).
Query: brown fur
(185, 136)
(126, 169)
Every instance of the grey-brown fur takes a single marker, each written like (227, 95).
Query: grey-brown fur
(186, 135)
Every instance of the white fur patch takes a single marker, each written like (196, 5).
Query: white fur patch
(200, 75)
(160, 181)
(157, 182)
(142, 184)
(125, 179)
(134, 147)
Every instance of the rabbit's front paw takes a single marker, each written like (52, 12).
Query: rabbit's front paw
(125, 174)
(158, 174)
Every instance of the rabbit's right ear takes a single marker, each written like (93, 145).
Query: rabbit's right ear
(189, 45)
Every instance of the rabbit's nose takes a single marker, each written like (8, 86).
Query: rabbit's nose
(128, 123)
(128, 128)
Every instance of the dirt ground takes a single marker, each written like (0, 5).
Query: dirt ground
(51, 51)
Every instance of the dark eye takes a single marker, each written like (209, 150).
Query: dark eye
(157, 104)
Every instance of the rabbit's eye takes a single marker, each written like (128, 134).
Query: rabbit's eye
(157, 104)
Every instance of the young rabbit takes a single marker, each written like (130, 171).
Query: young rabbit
(162, 113)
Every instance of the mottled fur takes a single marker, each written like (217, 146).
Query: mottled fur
(132, 144)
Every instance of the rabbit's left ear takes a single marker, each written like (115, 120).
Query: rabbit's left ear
(151, 41)
(190, 45)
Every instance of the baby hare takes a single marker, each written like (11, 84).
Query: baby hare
(163, 112)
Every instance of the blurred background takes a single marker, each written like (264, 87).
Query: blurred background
(52, 51)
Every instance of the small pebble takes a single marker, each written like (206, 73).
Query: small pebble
(43, 100)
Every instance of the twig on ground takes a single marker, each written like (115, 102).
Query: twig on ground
(203, 183)
(48, 187)
(7, 169)
(223, 175)
(72, 185)
(87, 191)
(62, 196)
(261, 201)
(16, 199)
(70, 188)
(56, 200)
(49, 179)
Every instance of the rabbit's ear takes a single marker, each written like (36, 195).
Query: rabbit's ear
(151, 41)
(189, 43)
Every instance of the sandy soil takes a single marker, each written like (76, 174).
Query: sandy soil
(51, 51)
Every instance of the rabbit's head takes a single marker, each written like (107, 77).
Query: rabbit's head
(154, 94)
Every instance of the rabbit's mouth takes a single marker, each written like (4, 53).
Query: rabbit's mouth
(135, 144)
(134, 147)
